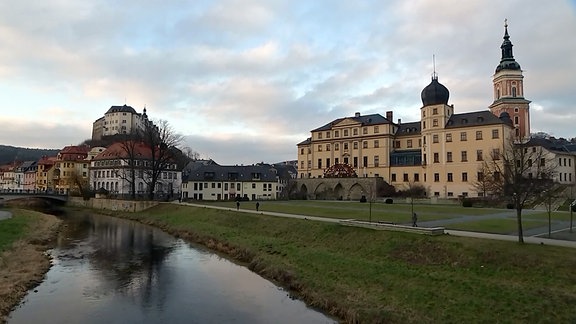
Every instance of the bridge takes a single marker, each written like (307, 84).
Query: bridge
(13, 195)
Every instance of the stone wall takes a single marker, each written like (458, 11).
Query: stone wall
(112, 204)
(335, 188)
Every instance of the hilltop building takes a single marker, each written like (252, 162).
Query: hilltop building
(443, 151)
(118, 120)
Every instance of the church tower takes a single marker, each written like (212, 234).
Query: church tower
(509, 90)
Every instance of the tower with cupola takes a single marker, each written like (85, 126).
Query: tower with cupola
(509, 90)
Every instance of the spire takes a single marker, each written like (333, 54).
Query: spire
(434, 74)
(507, 61)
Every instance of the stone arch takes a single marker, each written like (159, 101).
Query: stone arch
(339, 191)
(303, 192)
(321, 191)
(356, 191)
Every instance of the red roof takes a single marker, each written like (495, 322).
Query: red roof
(119, 150)
(74, 153)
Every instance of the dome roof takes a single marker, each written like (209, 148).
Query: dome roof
(507, 62)
(435, 93)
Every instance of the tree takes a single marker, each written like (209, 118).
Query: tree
(521, 172)
(414, 190)
(163, 143)
(129, 157)
(190, 153)
(80, 183)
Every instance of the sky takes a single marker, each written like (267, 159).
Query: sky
(244, 81)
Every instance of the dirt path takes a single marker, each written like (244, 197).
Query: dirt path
(23, 266)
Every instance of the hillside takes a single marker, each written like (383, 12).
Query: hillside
(11, 153)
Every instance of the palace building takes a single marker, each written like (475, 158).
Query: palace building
(443, 151)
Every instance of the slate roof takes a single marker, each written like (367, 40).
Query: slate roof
(366, 120)
(232, 173)
(553, 144)
(408, 129)
(477, 118)
(124, 108)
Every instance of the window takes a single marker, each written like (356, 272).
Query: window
(516, 120)
(396, 144)
(435, 111)
(355, 162)
(345, 146)
(365, 144)
(365, 161)
(496, 154)
(436, 177)
(424, 125)
(478, 135)
(495, 133)
(355, 145)
(480, 176)
(327, 162)
(513, 91)
(319, 163)
(464, 177)
(336, 147)
(409, 143)
(436, 158)
(416, 177)
(253, 186)
(376, 144)
(435, 138)
(450, 194)
(479, 155)
(463, 137)
(450, 179)
(336, 133)
(449, 137)
(327, 147)
(375, 129)
(393, 177)
(327, 134)
(365, 130)
(345, 132)
(301, 151)
(448, 156)
(464, 156)
(319, 148)
(319, 135)
(435, 123)
(355, 131)
(406, 177)
(336, 160)
(376, 161)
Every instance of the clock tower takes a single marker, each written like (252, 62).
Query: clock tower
(509, 90)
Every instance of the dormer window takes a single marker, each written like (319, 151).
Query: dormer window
(464, 121)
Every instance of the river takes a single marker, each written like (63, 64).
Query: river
(109, 270)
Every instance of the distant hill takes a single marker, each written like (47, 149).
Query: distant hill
(11, 153)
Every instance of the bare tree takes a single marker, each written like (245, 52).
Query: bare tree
(163, 143)
(414, 190)
(129, 156)
(190, 153)
(80, 183)
(522, 172)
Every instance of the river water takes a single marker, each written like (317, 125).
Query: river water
(109, 270)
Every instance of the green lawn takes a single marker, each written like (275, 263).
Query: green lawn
(14, 228)
(496, 226)
(369, 276)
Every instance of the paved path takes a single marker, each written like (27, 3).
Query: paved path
(514, 238)
(5, 215)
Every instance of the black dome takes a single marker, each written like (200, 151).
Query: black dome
(435, 93)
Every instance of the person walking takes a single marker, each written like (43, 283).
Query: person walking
(414, 220)
(257, 206)
(237, 205)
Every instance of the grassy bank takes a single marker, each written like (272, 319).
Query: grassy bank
(367, 276)
(23, 240)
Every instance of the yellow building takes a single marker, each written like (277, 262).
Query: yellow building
(444, 151)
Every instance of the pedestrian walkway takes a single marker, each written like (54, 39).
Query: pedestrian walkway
(527, 239)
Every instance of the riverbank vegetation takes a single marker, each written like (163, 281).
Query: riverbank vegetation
(366, 276)
(24, 238)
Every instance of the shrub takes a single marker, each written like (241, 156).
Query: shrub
(389, 201)
(510, 206)
(363, 199)
(466, 203)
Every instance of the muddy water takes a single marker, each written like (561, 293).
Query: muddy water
(108, 270)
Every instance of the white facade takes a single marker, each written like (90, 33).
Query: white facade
(227, 190)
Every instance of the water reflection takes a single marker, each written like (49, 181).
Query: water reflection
(116, 271)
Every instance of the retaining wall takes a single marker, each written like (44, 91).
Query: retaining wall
(112, 204)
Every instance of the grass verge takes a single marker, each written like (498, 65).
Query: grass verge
(23, 240)
(365, 276)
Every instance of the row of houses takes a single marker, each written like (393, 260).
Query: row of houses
(82, 169)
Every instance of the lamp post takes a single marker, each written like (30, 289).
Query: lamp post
(549, 209)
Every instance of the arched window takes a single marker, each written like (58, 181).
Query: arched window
(513, 91)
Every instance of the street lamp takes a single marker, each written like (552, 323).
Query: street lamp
(549, 209)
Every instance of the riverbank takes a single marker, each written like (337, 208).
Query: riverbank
(366, 276)
(24, 238)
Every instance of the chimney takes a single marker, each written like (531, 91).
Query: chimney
(399, 121)
(389, 115)
(357, 114)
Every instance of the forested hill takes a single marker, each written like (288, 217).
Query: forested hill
(10, 154)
